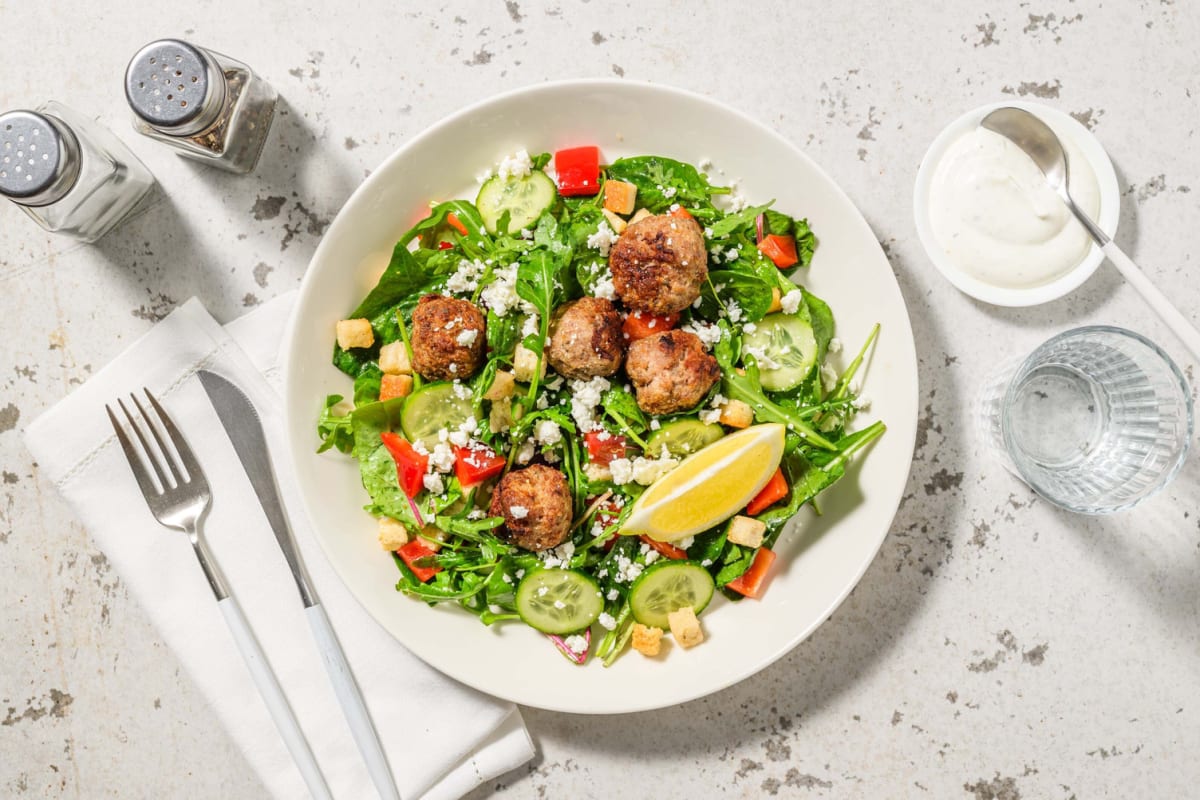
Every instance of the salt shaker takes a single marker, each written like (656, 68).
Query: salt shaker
(70, 174)
(207, 106)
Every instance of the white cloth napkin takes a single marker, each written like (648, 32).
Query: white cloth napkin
(442, 739)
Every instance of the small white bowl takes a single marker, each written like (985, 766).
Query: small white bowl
(1110, 207)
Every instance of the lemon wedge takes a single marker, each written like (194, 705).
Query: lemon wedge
(709, 486)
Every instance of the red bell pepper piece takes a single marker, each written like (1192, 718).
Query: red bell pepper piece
(750, 582)
(665, 548)
(411, 466)
(474, 465)
(775, 490)
(640, 324)
(682, 213)
(780, 249)
(445, 245)
(603, 447)
(578, 170)
(413, 551)
(454, 222)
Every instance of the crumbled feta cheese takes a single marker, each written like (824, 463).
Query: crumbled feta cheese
(467, 337)
(501, 294)
(708, 233)
(835, 345)
(585, 396)
(483, 176)
(526, 233)
(622, 470)
(613, 594)
(737, 203)
(433, 483)
(732, 254)
(607, 621)
(603, 239)
(459, 439)
(476, 513)
(862, 402)
(734, 310)
(604, 287)
(790, 302)
(460, 390)
(465, 279)
(710, 416)
(442, 457)
(506, 578)
(686, 542)
(547, 432)
(706, 332)
(521, 574)
(647, 470)
(576, 644)
(655, 424)
(668, 192)
(705, 164)
(829, 377)
(706, 562)
(525, 454)
(530, 326)
(749, 327)
(517, 165)
(542, 591)
(760, 355)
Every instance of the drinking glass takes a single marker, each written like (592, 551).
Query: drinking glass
(1095, 420)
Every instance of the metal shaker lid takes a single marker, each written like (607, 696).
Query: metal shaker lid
(39, 158)
(174, 86)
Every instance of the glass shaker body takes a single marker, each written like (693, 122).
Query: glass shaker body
(98, 181)
(205, 105)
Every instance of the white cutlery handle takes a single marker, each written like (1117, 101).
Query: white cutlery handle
(1158, 301)
(273, 696)
(351, 700)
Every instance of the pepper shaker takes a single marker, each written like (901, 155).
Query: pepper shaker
(206, 105)
(69, 174)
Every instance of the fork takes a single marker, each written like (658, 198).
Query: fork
(180, 499)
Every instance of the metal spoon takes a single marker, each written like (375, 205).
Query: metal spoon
(1033, 136)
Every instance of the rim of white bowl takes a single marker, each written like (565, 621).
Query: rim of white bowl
(1110, 208)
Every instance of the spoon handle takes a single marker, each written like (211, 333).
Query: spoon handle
(1176, 321)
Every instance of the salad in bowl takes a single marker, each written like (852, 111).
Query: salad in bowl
(592, 399)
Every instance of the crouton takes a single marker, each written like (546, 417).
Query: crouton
(647, 640)
(746, 531)
(392, 535)
(619, 197)
(776, 300)
(616, 223)
(640, 215)
(597, 472)
(500, 418)
(503, 385)
(393, 386)
(525, 361)
(685, 627)
(354, 333)
(737, 414)
(394, 360)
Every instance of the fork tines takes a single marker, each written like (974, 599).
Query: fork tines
(172, 466)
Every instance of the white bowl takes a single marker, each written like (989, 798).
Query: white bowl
(820, 559)
(1110, 207)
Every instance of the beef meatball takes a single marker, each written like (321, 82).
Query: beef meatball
(448, 338)
(585, 339)
(670, 371)
(536, 505)
(659, 264)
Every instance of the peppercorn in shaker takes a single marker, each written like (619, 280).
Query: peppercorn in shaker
(69, 174)
(205, 105)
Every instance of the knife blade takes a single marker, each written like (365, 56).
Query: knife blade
(241, 422)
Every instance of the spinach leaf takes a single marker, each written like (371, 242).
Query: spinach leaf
(655, 177)
(708, 546)
(334, 429)
(503, 333)
(752, 294)
(798, 229)
(436, 224)
(367, 384)
(821, 318)
(403, 277)
(735, 560)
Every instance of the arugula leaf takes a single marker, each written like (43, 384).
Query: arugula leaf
(621, 407)
(742, 219)
(334, 429)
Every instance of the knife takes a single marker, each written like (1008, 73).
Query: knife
(241, 422)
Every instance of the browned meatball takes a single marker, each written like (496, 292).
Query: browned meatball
(536, 505)
(670, 371)
(448, 338)
(659, 264)
(585, 339)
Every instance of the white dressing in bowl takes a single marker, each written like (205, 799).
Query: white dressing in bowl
(996, 219)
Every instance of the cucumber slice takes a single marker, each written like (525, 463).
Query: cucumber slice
(559, 601)
(669, 586)
(431, 408)
(523, 198)
(683, 437)
(787, 341)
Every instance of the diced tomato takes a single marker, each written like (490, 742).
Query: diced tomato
(445, 246)
(780, 249)
(454, 222)
(682, 213)
(393, 386)
(410, 465)
(775, 490)
(414, 551)
(578, 170)
(640, 324)
(603, 447)
(474, 465)
(750, 582)
(665, 548)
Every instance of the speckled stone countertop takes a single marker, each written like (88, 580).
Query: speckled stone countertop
(997, 648)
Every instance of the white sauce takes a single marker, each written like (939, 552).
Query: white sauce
(996, 218)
